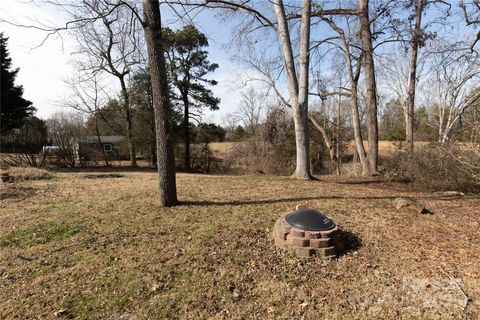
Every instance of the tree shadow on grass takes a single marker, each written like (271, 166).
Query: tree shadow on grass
(382, 180)
(104, 169)
(300, 199)
(274, 201)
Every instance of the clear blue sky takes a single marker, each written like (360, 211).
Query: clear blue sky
(43, 69)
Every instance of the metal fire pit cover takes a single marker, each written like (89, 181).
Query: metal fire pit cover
(310, 220)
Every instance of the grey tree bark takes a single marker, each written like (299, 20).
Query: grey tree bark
(412, 81)
(357, 131)
(326, 138)
(297, 86)
(372, 123)
(161, 103)
(186, 128)
(128, 122)
(337, 136)
(353, 77)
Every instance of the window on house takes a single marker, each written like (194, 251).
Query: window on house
(107, 147)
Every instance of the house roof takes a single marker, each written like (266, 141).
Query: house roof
(103, 139)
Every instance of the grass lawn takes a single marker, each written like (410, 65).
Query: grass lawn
(102, 248)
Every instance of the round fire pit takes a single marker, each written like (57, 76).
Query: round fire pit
(306, 232)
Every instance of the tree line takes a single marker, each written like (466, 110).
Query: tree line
(307, 53)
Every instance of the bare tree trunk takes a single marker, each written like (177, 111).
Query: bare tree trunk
(326, 138)
(372, 123)
(303, 139)
(161, 103)
(120, 74)
(353, 76)
(357, 130)
(128, 123)
(100, 141)
(337, 137)
(410, 109)
(153, 155)
(186, 128)
(298, 88)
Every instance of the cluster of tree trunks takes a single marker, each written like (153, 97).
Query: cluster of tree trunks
(297, 80)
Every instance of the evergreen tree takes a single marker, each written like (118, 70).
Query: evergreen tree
(14, 108)
(188, 64)
(140, 91)
(209, 132)
(239, 134)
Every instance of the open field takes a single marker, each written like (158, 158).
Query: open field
(99, 247)
(385, 148)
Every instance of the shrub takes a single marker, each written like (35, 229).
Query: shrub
(255, 156)
(437, 166)
(270, 151)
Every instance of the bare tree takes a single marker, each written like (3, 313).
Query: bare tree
(412, 78)
(65, 130)
(87, 96)
(250, 110)
(353, 60)
(471, 13)
(371, 85)
(453, 81)
(229, 123)
(326, 117)
(297, 83)
(151, 24)
(112, 45)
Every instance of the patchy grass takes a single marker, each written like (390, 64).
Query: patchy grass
(41, 233)
(103, 249)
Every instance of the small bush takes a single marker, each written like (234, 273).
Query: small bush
(438, 167)
(270, 151)
(28, 173)
(23, 160)
(259, 157)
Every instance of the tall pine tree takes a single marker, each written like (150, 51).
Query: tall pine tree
(188, 64)
(14, 109)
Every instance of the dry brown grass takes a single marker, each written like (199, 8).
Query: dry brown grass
(385, 148)
(222, 147)
(104, 249)
(28, 173)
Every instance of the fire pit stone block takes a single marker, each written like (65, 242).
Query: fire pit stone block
(303, 242)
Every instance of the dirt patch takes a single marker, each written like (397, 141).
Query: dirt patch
(15, 192)
(436, 293)
(103, 176)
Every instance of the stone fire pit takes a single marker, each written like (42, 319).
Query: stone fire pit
(306, 232)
